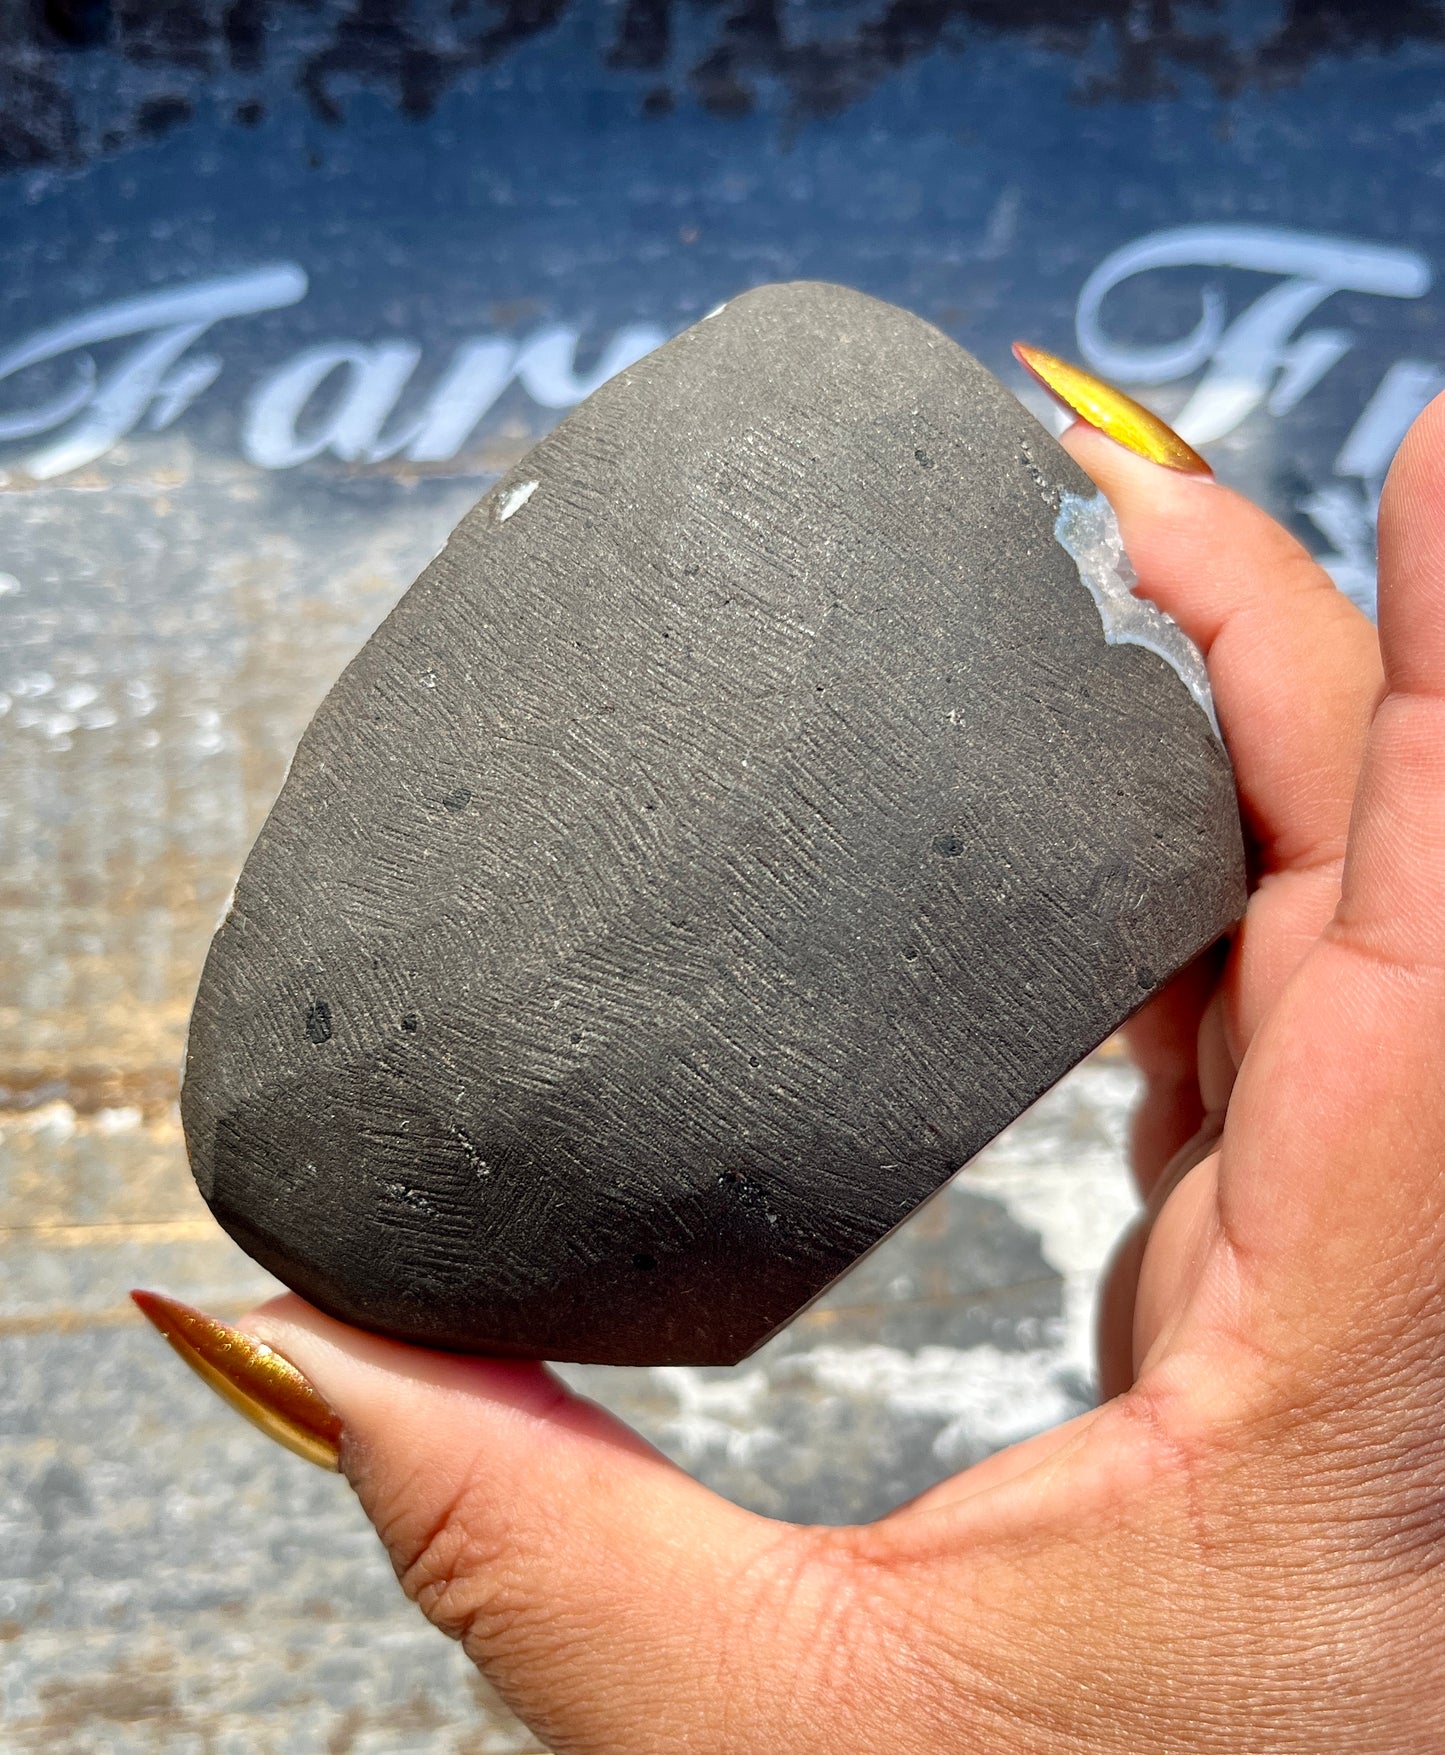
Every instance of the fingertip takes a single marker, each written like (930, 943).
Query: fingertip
(397, 1399)
(1412, 557)
(1419, 463)
(529, 1524)
(1116, 468)
(353, 1362)
(1110, 410)
(1294, 666)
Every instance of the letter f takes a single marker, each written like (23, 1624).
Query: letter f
(1258, 356)
(103, 411)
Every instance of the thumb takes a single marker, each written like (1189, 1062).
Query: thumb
(606, 1595)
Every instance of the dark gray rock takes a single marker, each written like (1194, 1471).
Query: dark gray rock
(740, 822)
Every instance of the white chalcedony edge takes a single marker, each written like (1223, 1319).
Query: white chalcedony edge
(514, 499)
(1087, 530)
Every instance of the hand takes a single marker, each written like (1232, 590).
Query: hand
(1241, 1550)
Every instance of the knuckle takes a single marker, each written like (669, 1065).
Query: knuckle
(810, 1595)
(458, 1564)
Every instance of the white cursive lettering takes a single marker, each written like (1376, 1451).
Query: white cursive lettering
(480, 371)
(103, 410)
(374, 377)
(274, 434)
(1404, 392)
(1257, 358)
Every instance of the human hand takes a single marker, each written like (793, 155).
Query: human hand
(1241, 1549)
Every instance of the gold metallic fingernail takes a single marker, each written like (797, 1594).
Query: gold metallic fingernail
(258, 1383)
(1111, 411)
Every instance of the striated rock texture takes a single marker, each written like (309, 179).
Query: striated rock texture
(739, 823)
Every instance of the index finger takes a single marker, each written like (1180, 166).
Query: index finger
(1294, 666)
(1295, 670)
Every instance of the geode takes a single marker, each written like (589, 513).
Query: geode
(771, 789)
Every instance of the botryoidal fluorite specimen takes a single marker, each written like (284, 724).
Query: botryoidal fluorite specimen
(766, 794)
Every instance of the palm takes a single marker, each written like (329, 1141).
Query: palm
(1243, 1547)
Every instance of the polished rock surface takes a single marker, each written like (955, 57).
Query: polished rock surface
(745, 816)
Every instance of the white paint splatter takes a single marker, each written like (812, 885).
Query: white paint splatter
(717, 1414)
(58, 1121)
(125, 1119)
(984, 1397)
(1089, 532)
(981, 1398)
(514, 499)
(1060, 1171)
(55, 1122)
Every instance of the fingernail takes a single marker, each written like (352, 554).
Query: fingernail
(1113, 413)
(258, 1383)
